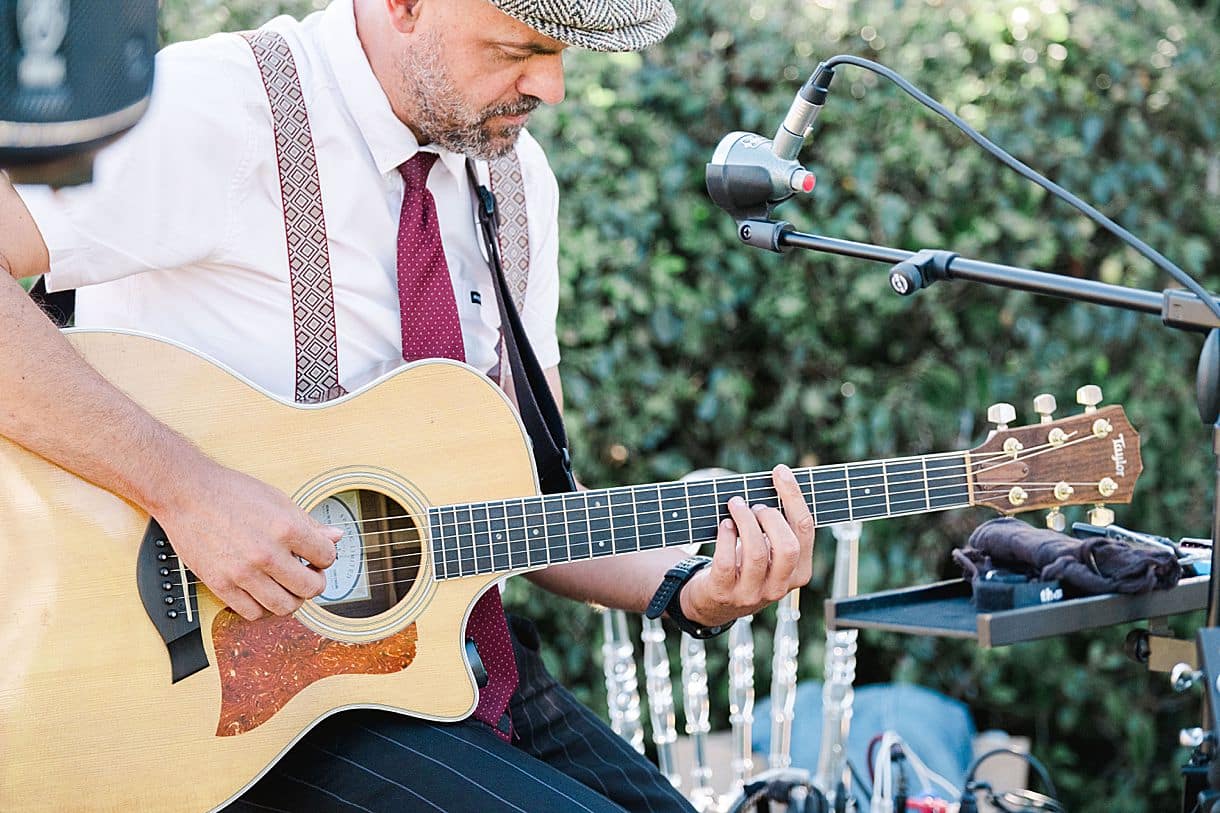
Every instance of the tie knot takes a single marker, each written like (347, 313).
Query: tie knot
(415, 169)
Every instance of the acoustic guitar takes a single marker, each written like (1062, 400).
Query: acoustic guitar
(124, 683)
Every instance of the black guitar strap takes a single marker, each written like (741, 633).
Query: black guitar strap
(536, 403)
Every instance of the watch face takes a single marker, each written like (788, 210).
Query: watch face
(347, 578)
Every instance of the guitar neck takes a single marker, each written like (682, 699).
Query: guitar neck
(530, 532)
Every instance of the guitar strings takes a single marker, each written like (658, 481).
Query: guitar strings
(418, 555)
(749, 482)
(463, 527)
(645, 541)
(644, 538)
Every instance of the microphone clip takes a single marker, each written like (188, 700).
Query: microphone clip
(921, 270)
(767, 234)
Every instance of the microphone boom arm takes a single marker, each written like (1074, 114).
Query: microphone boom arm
(1177, 308)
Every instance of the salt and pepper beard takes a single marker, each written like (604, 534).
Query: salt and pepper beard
(440, 114)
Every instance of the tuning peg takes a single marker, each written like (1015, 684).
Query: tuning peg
(1089, 396)
(1045, 405)
(1055, 520)
(1001, 415)
(1101, 516)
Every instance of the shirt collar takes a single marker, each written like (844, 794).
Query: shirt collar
(389, 140)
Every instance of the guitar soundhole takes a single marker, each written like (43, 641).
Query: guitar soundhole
(378, 556)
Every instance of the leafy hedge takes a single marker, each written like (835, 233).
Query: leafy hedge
(683, 349)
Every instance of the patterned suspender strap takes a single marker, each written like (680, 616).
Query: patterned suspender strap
(313, 299)
(513, 237)
(513, 228)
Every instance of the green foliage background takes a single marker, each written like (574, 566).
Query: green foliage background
(683, 349)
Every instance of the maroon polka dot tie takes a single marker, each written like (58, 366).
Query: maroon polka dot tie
(431, 329)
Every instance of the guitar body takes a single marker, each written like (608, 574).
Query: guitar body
(89, 716)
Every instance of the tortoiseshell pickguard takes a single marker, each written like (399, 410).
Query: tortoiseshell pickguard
(263, 664)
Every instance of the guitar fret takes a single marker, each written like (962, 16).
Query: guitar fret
(497, 533)
(764, 484)
(567, 530)
(635, 515)
(600, 529)
(810, 500)
(589, 530)
(514, 532)
(674, 514)
(436, 538)
(437, 529)
(736, 490)
(460, 557)
(690, 513)
(906, 494)
(927, 495)
(481, 553)
(481, 532)
(545, 530)
(558, 544)
(622, 521)
(463, 557)
(652, 521)
(535, 525)
(830, 485)
(455, 557)
(950, 490)
(745, 489)
(885, 486)
(578, 536)
(866, 492)
(847, 490)
(705, 507)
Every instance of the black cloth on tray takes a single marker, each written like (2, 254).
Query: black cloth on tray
(1088, 566)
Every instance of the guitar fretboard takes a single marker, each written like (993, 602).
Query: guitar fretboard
(529, 532)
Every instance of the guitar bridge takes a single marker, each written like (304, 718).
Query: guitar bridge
(167, 590)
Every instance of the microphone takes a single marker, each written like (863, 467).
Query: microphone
(73, 77)
(749, 175)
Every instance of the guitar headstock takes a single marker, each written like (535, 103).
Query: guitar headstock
(1091, 458)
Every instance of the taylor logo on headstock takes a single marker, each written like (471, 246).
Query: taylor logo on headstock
(1120, 459)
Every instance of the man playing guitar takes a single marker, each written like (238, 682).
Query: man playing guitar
(183, 236)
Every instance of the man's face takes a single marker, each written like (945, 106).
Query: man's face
(470, 76)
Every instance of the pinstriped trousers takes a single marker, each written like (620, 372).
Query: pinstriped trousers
(562, 758)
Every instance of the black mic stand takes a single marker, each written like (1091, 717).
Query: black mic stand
(911, 272)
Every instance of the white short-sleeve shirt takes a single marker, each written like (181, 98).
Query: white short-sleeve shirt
(182, 232)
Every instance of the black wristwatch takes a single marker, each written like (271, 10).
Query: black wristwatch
(668, 598)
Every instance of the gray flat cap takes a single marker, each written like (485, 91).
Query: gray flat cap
(599, 25)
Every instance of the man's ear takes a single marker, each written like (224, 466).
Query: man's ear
(404, 14)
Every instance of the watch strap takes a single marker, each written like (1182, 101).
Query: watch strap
(668, 598)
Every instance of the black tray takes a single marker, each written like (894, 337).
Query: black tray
(943, 609)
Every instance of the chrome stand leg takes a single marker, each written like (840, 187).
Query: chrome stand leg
(622, 685)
